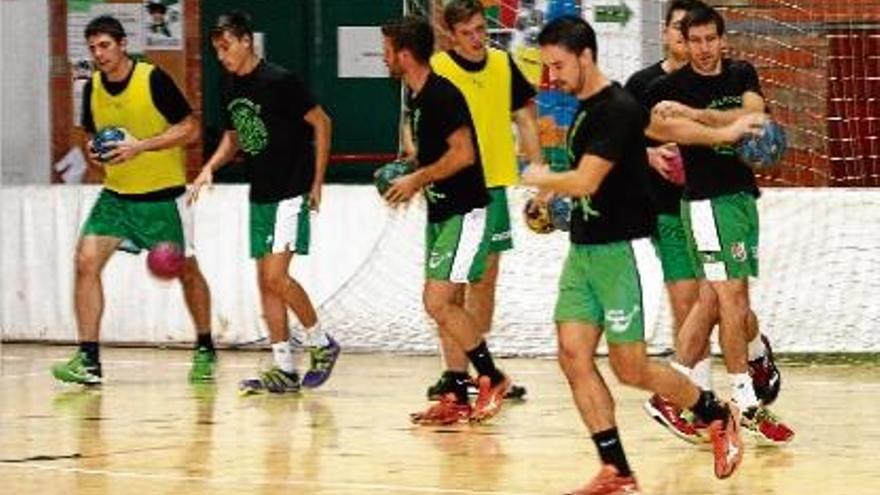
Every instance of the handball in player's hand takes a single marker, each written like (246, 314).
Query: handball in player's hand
(763, 149)
(106, 140)
(166, 260)
(560, 213)
(537, 217)
(388, 173)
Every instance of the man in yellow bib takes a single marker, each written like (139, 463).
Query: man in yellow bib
(142, 202)
(496, 93)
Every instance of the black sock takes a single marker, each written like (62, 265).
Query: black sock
(611, 451)
(458, 383)
(482, 361)
(90, 349)
(205, 340)
(709, 409)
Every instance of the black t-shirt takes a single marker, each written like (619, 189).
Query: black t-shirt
(667, 195)
(166, 96)
(436, 112)
(611, 125)
(266, 108)
(521, 91)
(711, 171)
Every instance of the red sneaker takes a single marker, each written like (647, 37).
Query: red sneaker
(673, 418)
(489, 398)
(446, 412)
(766, 427)
(608, 482)
(766, 378)
(726, 443)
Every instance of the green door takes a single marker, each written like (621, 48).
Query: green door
(301, 35)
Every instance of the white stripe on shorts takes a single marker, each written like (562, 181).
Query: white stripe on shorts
(651, 282)
(706, 237)
(286, 225)
(473, 229)
(186, 212)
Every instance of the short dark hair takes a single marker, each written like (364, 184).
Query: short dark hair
(105, 24)
(236, 23)
(458, 11)
(676, 5)
(570, 32)
(412, 33)
(156, 8)
(701, 15)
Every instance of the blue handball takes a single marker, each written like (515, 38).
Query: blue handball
(560, 213)
(765, 150)
(388, 173)
(106, 139)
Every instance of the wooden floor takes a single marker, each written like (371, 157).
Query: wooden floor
(147, 431)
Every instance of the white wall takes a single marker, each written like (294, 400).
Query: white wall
(24, 92)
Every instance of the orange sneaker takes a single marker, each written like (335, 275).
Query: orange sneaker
(608, 482)
(726, 443)
(489, 398)
(446, 412)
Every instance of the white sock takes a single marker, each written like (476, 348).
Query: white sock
(684, 370)
(283, 355)
(316, 337)
(702, 374)
(742, 391)
(756, 348)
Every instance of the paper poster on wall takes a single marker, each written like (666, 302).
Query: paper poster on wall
(360, 52)
(163, 24)
(129, 15)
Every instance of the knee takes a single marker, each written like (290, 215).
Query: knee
(272, 283)
(572, 360)
(191, 272)
(633, 372)
(436, 307)
(87, 264)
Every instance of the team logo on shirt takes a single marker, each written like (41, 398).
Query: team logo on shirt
(253, 137)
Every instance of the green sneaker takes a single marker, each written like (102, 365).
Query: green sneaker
(78, 370)
(204, 365)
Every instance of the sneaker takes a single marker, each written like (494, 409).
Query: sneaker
(726, 443)
(273, 380)
(673, 418)
(766, 378)
(445, 412)
(609, 482)
(323, 359)
(79, 369)
(441, 387)
(766, 427)
(204, 364)
(489, 398)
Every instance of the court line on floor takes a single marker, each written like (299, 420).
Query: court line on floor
(223, 480)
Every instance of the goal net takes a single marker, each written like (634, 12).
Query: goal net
(819, 66)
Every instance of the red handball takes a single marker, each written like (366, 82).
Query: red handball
(676, 169)
(166, 260)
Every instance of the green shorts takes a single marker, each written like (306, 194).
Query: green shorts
(723, 236)
(280, 227)
(499, 221)
(141, 224)
(616, 287)
(671, 241)
(456, 248)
